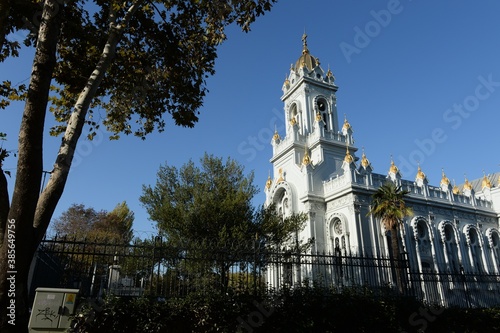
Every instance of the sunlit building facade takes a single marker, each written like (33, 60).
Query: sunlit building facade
(318, 170)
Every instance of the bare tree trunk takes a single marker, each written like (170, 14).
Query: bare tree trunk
(30, 211)
(396, 258)
(29, 175)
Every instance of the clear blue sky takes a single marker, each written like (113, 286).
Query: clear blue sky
(418, 80)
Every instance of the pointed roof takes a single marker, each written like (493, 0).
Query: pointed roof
(306, 59)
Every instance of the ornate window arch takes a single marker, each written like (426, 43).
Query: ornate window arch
(423, 243)
(474, 243)
(283, 199)
(295, 115)
(337, 234)
(321, 106)
(450, 245)
(493, 237)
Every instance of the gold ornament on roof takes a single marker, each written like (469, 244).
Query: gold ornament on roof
(444, 179)
(467, 185)
(276, 136)
(280, 179)
(420, 173)
(287, 82)
(393, 169)
(364, 161)
(348, 157)
(269, 181)
(306, 160)
(346, 125)
(456, 190)
(486, 182)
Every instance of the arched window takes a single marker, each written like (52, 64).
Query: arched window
(495, 248)
(450, 247)
(423, 245)
(475, 250)
(322, 108)
(338, 244)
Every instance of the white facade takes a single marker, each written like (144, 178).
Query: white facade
(316, 171)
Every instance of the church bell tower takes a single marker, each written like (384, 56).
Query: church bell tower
(314, 147)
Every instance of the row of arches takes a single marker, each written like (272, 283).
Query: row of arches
(449, 248)
(306, 123)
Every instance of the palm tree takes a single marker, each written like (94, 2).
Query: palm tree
(389, 206)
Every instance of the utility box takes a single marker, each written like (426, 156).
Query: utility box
(52, 309)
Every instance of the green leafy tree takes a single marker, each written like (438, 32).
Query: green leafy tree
(207, 211)
(79, 222)
(134, 61)
(389, 206)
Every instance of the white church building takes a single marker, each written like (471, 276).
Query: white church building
(316, 170)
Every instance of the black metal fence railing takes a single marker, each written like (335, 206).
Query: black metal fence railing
(151, 268)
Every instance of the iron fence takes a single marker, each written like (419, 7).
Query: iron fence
(153, 268)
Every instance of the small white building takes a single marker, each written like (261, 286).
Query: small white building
(316, 171)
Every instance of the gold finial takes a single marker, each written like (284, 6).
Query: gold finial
(304, 43)
(486, 182)
(456, 190)
(346, 124)
(348, 157)
(280, 179)
(420, 174)
(287, 82)
(269, 181)
(276, 136)
(467, 185)
(306, 160)
(394, 169)
(364, 161)
(444, 180)
(318, 116)
(293, 121)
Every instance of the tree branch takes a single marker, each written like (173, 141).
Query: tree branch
(52, 193)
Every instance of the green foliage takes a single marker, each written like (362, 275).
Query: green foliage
(388, 205)
(165, 52)
(80, 222)
(207, 211)
(304, 310)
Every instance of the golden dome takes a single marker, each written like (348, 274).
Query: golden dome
(445, 181)
(420, 173)
(486, 182)
(348, 157)
(364, 161)
(306, 60)
(393, 168)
